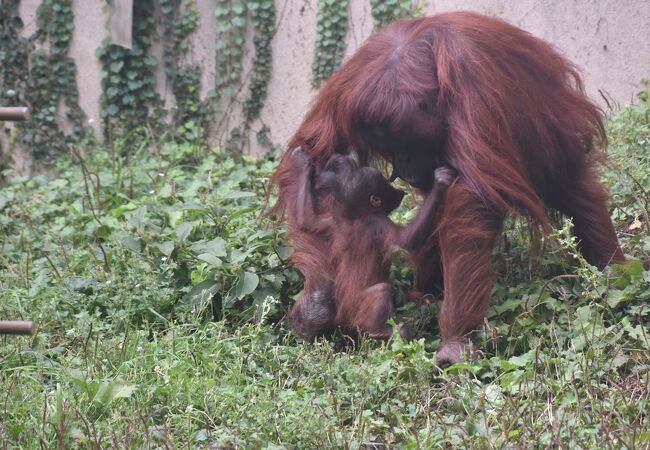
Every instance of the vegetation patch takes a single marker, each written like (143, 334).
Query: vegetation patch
(386, 11)
(190, 114)
(331, 28)
(160, 290)
(38, 72)
(129, 94)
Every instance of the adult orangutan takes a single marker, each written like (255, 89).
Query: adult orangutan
(502, 107)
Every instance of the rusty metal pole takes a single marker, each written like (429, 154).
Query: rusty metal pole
(15, 327)
(14, 114)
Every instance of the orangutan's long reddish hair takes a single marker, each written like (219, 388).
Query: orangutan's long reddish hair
(502, 107)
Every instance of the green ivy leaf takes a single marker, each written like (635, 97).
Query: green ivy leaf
(239, 8)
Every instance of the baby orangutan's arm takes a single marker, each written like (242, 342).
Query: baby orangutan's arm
(305, 212)
(415, 234)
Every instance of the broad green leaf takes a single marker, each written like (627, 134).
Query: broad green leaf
(248, 282)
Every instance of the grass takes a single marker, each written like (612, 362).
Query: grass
(160, 289)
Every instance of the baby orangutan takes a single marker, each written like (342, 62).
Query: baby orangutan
(362, 243)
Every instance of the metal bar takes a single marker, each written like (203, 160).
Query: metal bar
(18, 327)
(14, 114)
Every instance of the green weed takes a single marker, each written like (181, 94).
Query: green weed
(160, 287)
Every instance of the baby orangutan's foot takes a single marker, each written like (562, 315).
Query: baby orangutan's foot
(419, 297)
(407, 333)
(382, 334)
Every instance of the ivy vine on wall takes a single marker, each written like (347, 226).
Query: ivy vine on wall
(129, 98)
(42, 76)
(386, 11)
(263, 17)
(190, 113)
(331, 28)
(14, 54)
(231, 26)
(129, 94)
(52, 81)
(43, 79)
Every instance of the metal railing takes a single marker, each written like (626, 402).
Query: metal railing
(15, 327)
(14, 114)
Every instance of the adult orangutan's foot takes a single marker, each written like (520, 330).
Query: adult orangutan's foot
(455, 351)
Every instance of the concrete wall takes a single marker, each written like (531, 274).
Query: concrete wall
(609, 40)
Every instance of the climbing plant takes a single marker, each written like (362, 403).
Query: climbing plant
(38, 72)
(263, 17)
(190, 112)
(231, 26)
(386, 11)
(43, 79)
(331, 27)
(14, 55)
(129, 99)
(52, 81)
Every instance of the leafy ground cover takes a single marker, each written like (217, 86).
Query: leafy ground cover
(160, 288)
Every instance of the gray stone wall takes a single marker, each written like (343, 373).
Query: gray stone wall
(609, 40)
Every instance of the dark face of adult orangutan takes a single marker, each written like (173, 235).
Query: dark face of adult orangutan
(414, 144)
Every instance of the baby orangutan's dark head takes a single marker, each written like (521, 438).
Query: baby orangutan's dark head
(359, 191)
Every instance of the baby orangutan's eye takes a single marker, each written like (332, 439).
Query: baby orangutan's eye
(375, 201)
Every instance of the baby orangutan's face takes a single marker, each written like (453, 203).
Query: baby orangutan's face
(360, 190)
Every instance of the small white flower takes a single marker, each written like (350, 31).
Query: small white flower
(160, 174)
(164, 258)
(108, 282)
(152, 192)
